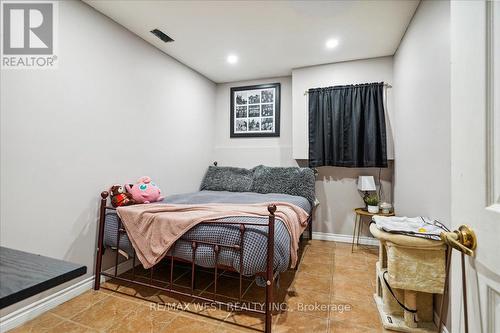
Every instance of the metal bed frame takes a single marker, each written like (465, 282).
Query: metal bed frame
(268, 274)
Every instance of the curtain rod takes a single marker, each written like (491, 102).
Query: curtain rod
(385, 85)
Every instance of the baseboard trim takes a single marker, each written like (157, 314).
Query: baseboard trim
(22, 315)
(344, 238)
(35, 309)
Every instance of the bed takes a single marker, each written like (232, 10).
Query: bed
(250, 246)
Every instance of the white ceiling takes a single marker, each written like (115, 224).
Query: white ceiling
(269, 37)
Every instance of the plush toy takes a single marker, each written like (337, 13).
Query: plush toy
(144, 191)
(119, 197)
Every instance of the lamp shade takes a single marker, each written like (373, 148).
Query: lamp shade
(366, 183)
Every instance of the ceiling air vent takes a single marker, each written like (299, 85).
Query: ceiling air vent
(162, 36)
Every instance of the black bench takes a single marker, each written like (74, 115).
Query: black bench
(23, 274)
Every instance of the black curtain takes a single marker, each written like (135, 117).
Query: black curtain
(347, 126)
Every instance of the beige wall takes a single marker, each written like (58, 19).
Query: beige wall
(249, 152)
(422, 184)
(423, 119)
(115, 109)
(336, 188)
(341, 73)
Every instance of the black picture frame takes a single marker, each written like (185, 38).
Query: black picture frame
(253, 99)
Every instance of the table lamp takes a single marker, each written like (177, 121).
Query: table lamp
(365, 184)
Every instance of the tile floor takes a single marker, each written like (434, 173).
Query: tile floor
(328, 275)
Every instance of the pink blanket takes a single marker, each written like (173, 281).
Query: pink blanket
(154, 228)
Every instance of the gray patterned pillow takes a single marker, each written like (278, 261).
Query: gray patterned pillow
(227, 179)
(291, 180)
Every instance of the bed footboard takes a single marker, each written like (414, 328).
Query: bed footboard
(268, 274)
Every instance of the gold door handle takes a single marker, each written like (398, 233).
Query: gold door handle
(464, 239)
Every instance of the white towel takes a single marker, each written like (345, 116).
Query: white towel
(411, 226)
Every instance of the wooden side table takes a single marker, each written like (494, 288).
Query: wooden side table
(358, 223)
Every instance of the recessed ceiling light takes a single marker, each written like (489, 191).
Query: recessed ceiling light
(332, 43)
(232, 59)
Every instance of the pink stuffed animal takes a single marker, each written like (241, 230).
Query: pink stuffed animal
(144, 191)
